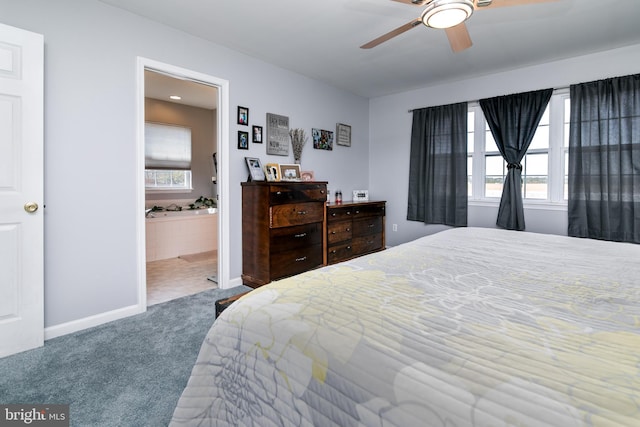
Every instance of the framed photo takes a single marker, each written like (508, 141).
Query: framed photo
(290, 173)
(255, 169)
(307, 175)
(343, 134)
(360, 195)
(257, 134)
(277, 134)
(272, 171)
(322, 139)
(243, 116)
(243, 140)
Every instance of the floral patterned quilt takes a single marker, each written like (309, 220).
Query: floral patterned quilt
(467, 327)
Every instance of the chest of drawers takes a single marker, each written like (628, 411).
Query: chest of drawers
(282, 229)
(354, 229)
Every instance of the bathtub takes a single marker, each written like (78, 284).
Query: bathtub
(170, 234)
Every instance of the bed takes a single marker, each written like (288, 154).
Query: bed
(466, 327)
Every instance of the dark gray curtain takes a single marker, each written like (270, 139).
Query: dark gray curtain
(604, 160)
(513, 120)
(438, 166)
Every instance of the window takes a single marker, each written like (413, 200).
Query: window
(544, 167)
(167, 157)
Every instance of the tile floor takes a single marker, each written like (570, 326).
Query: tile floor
(177, 277)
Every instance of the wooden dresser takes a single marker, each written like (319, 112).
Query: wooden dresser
(282, 229)
(354, 229)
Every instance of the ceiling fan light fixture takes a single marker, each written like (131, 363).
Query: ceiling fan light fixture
(447, 13)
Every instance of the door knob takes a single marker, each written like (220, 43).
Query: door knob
(31, 207)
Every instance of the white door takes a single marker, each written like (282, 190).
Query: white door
(21, 190)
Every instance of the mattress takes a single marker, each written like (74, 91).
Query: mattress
(467, 327)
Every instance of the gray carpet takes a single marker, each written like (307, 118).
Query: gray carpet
(130, 372)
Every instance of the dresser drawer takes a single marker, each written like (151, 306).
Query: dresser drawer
(338, 214)
(369, 225)
(362, 245)
(288, 263)
(296, 214)
(368, 210)
(288, 238)
(339, 253)
(291, 193)
(339, 231)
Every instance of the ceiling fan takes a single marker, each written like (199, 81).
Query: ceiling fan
(450, 16)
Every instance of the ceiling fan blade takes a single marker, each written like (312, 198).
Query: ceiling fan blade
(507, 3)
(413, 2)
(391, 34)
(459, 38)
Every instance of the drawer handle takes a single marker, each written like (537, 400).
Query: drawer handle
(348, 229)
(301, 259)
(278, 192)
(371, 225)
(333, 251)
(349, 248)
(333, 214)
(321, 191)
(357, 212)
(348, 212)
(333, 232)
(302, 212)
(300, 235)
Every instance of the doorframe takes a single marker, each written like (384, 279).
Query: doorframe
(222, 115)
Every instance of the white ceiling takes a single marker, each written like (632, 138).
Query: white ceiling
(321, 38)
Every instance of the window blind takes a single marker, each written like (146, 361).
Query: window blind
(167, 147)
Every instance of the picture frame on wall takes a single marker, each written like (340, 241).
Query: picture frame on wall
(243, 116)
(255, 169)
(243, 140)
(277, 135)
(322, 139)
(290, 172)
(257, 134)
(343, 134)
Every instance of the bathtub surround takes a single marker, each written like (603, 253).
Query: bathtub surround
(130, 372)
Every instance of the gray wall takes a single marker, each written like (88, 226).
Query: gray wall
(390, 130)
(90, 125)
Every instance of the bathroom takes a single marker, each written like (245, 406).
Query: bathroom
(181, 220)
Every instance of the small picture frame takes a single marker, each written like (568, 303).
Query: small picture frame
(272, 172)
(307, 176)
(243, 140)
(257, 134)
(243, 116)
(343, 134)
(255, 169)
(360, 195)
(322, 139)
(290, 173)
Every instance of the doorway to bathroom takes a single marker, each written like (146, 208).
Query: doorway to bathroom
(184, 241)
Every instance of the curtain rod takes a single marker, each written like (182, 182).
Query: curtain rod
(555, 90)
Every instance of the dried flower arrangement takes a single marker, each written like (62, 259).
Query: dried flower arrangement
(298, 139)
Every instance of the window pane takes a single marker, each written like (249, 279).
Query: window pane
(490, 143)
(158, 179)
(536, 164)
(566, 175)
(535, 179)
(541, 138)
(494, 176)
(469, 176)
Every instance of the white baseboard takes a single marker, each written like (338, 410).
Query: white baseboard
(109, 316)
(91, 321)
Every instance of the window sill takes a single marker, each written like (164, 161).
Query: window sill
(167, 190)
(528, 204)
